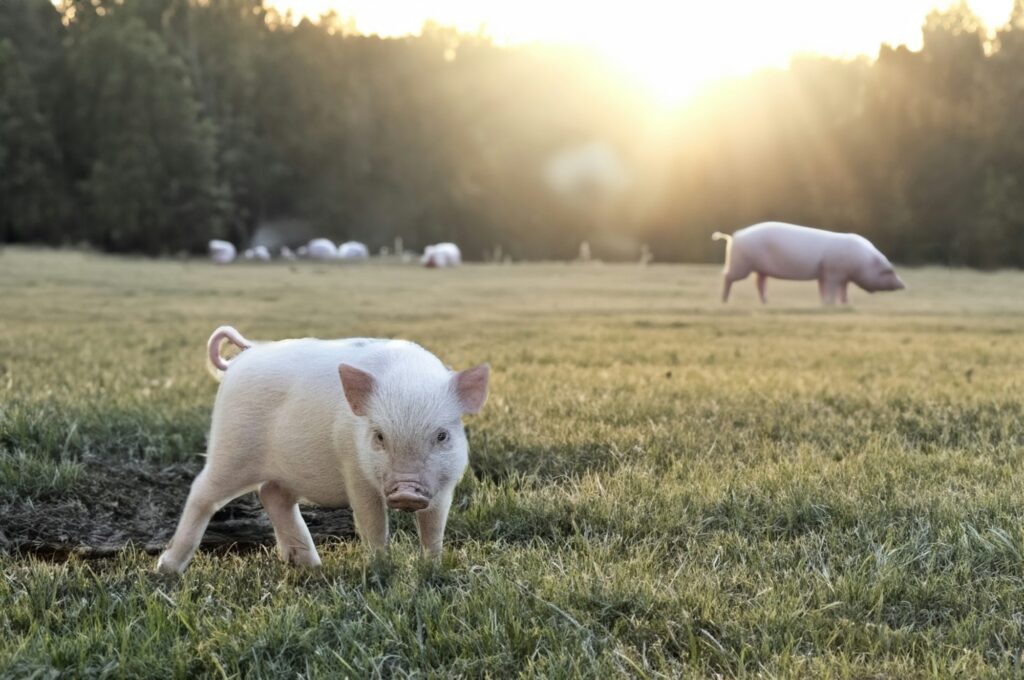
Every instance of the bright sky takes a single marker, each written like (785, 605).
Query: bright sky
(671, 46)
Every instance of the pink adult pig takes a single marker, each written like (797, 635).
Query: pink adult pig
(788, 251)
(372, 424)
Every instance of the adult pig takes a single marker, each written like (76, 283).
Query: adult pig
(788, 251)
(372, 424)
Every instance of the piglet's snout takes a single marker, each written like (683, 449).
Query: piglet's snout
(408, 496)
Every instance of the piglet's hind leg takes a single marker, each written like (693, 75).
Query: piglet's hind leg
(209, 493)
(294, 542)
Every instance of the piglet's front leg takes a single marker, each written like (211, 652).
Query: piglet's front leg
(431, 523)
(370, 513)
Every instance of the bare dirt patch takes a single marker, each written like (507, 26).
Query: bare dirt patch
(115, 505)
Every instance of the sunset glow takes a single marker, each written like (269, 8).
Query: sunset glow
(671, 48)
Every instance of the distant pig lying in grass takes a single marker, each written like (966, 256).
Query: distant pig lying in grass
(788, 251)
(372, 424)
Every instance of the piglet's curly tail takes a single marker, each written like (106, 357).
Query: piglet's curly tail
(219, 364)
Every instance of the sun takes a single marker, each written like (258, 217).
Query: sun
(670, 72)
(682, 49)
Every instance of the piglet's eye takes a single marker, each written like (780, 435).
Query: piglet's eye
(442, 436)
(378, 436)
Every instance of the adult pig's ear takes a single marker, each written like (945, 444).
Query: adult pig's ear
(470, 387)
(358, 386)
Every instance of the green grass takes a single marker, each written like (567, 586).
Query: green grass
(660, 485)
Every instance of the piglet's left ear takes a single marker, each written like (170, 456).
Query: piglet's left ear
(358, 386)
(471, 387)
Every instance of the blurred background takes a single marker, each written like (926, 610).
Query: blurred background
(513, 129)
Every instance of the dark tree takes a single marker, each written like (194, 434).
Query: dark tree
(147, 158)
(31, 181)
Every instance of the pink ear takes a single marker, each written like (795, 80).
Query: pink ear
(358, 386)
(471, 387)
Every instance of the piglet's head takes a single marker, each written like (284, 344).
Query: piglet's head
(410, 438)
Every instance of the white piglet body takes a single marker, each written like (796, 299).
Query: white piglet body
(788, 251)
(372, 424)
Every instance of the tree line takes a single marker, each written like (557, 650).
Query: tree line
(153, 126)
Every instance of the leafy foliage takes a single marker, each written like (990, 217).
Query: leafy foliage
(29, 160)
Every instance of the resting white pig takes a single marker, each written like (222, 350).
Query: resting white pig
(372, 424)
(258, 253)
(353, 251)
(222, 252)
(787, 251)
(442, 255)
(322, 249)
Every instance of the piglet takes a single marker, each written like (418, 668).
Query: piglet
(788, 251)
(371, 424)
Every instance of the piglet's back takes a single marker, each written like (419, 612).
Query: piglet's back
(299, 379)
(274, 395)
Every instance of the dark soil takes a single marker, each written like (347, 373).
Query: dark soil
(135, 503)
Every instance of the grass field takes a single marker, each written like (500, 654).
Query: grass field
(660, 486)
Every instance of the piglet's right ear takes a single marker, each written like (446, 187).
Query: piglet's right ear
(358, 386)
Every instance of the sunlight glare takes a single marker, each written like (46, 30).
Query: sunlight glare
(672, 49)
